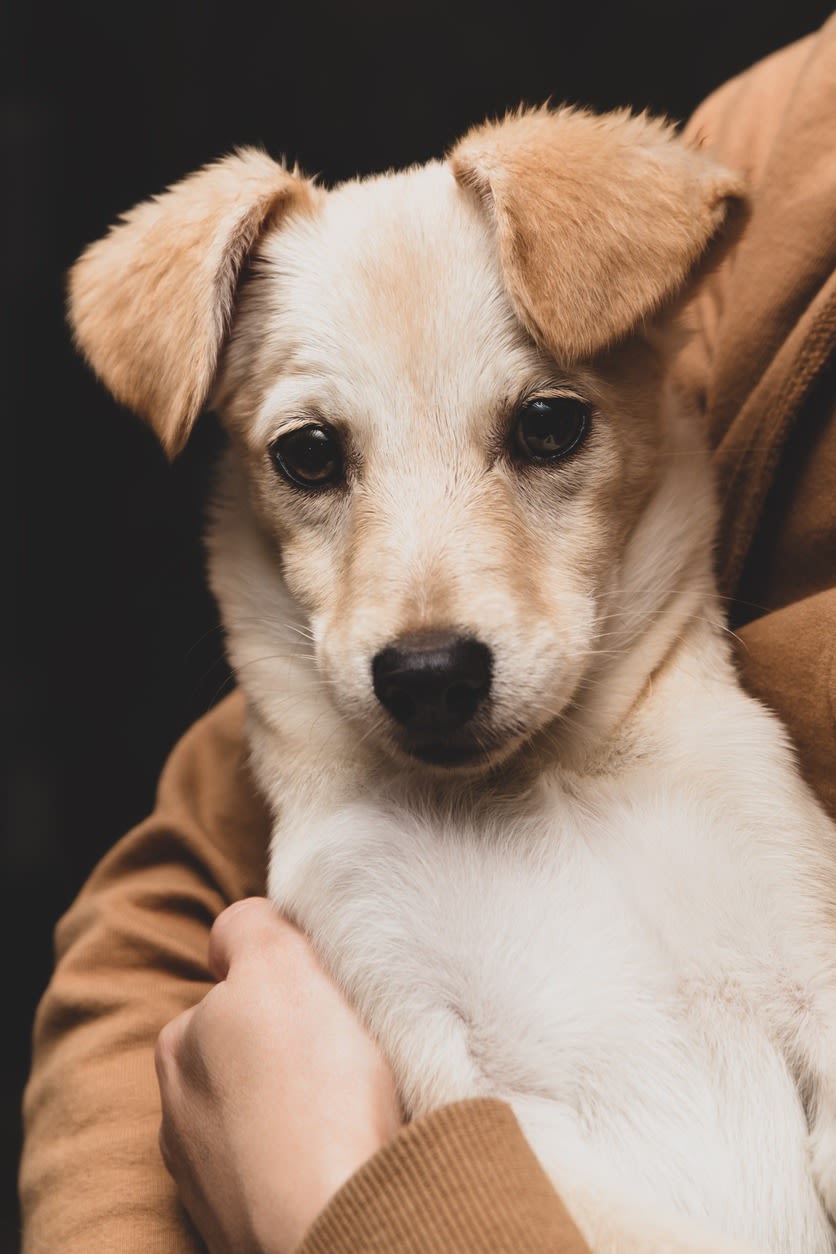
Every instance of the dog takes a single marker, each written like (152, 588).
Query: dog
(462, 546)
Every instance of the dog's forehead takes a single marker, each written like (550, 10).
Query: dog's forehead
(393, 283)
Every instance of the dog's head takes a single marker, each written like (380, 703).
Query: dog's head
(451, 441)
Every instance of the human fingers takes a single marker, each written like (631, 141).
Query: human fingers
(247, 927)
(169, 1046)
(167, 1062)
(271, 1087)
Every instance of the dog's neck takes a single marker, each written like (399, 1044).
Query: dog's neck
(616, 694)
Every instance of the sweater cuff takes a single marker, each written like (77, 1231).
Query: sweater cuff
(463, 1178)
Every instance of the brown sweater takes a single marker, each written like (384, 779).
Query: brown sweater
(131, 952)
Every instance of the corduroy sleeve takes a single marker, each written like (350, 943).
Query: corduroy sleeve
(462, 1179)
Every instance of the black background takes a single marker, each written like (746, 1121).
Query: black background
(110, 642)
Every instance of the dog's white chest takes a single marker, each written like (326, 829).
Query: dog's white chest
(605, 975)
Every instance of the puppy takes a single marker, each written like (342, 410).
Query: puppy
(462, 546)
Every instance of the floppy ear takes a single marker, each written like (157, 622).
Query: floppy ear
(150, 303)
(599, 218)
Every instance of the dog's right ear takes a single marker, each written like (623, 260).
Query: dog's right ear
(150, 304)
(599, 219)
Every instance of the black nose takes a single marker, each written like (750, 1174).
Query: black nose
(432, 682)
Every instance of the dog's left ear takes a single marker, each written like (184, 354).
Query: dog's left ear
(599, 218)
(150, 304)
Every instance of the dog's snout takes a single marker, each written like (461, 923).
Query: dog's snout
(432, 683)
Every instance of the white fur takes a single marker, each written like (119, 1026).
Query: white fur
(624, 926)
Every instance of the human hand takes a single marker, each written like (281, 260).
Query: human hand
(273, 1094)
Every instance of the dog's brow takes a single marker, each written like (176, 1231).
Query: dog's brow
(301, 397)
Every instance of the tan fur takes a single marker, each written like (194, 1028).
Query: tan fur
(629, 212)
(150, 303)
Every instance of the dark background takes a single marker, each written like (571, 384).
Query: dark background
(110, 642)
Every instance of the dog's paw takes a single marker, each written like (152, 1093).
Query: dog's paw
(823, 1161)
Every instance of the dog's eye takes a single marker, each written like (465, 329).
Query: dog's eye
(310, 457)
(550, 427)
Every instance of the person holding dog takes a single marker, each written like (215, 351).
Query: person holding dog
(280, 1123)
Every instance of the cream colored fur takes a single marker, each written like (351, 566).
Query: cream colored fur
(622, 921)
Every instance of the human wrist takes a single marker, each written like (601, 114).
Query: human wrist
(279, 1223)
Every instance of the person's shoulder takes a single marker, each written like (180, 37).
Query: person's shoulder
(741, 121)
(207, 783)
(218, 736)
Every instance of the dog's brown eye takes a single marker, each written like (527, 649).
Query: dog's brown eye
(310, 457)
(550, 427)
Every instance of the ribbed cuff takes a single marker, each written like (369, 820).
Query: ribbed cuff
(461, 1179)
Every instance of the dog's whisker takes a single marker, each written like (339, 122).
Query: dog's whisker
(277, 657)
(228, 683)
(638, 618)
(220, 660)
(265, 621)
(305, 632)
(210, 631)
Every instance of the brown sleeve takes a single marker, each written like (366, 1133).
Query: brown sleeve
(131, 954)
(758, 369)
(462, 1179)
(788, 659)
(766, 318)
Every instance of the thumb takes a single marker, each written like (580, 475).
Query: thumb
(245, 927)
